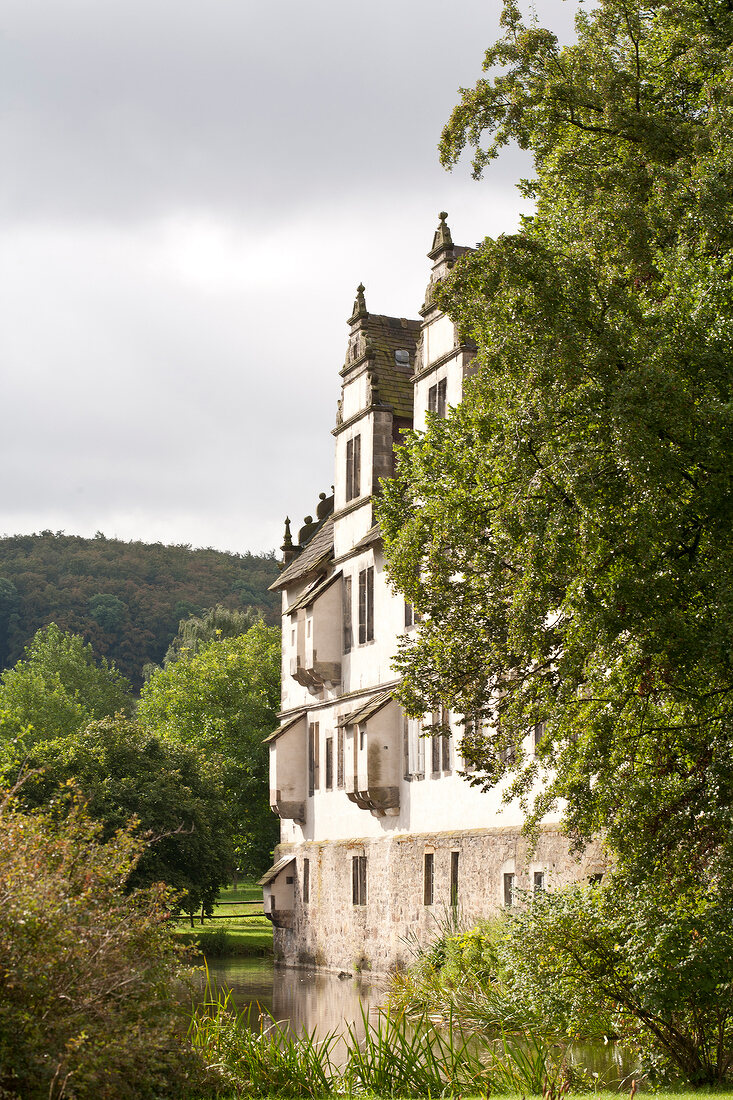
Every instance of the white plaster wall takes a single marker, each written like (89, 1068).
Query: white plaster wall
(438, 339)
(453, 372)
(354, 395)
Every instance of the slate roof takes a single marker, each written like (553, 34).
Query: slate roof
(316, 553)
(374, 534)
(367, 710)
(386, 335)
(285, 726)
(312, 592)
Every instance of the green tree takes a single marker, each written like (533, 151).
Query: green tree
(125, 775)
(213, 625)
(108, 611)
(59, 687)
(224, 700)
(90, 1003)
(566, 530)
(652, 964)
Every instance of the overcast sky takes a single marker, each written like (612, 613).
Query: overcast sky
(191, 191)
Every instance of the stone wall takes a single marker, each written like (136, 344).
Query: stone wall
(329, 931)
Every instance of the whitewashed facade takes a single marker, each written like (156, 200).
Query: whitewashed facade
(380, 833)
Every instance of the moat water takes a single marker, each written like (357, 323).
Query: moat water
(306, 1001)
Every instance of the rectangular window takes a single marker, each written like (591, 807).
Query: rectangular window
(437, 398)
(347, 615)
(306, 881)
(435, 753)
(359, 880)
(409, 615)
(366, 605)
(353, 467)
(428, 878)
(509, 880)
(329, 763)
(414, 748)
(340, 769)
(454, 879)
(445, 745)
(538, 882)
(537, 734)
(313, 754)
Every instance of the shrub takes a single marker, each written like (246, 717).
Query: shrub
(89, 975)
(652, 960)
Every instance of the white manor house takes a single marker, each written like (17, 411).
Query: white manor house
(380, 834)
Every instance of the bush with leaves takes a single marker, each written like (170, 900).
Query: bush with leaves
(89, 973)
(651, 962)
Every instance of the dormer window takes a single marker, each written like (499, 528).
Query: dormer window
(353, 467)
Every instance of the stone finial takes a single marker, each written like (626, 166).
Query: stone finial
(442, 237)
(373, 388)
(360, 309)
(324, 506)
(306, 530)
(287, 540)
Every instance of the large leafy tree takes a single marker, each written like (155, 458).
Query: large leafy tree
(58, 687)
(224, 700)
(566, 530)
(125, 775)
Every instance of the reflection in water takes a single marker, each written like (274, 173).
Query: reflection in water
(308, 1001)
(305, 1000)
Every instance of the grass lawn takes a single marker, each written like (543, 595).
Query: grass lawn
(236, 928)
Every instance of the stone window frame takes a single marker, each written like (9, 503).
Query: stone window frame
(359, 880)
(366, 605)
(353, 467)
(437, 397)
(428, 877)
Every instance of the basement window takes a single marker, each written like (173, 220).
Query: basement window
(359, 880)
(454, 880)
(429, 878)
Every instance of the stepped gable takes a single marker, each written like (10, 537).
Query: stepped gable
(317, 553)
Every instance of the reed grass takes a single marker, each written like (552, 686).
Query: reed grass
(396, 1057)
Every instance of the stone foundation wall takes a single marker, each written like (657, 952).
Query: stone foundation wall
(329, 931)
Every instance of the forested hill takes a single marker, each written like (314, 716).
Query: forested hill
(126, 598)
